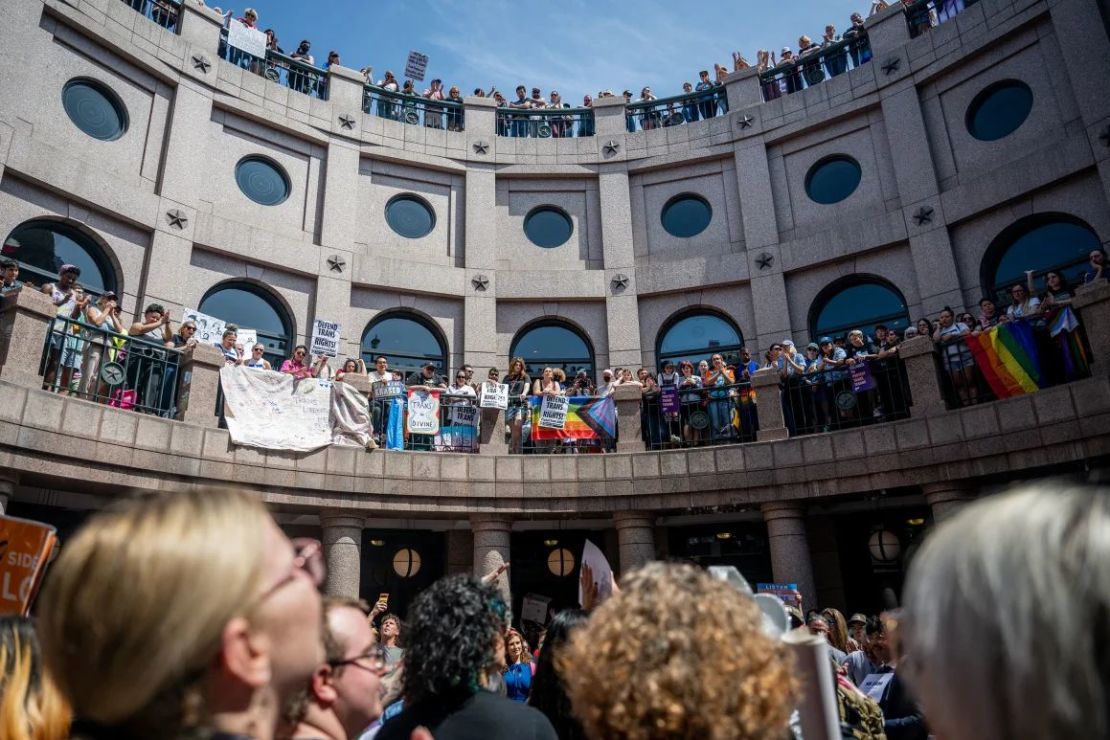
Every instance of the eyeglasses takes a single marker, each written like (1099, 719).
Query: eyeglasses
(778, 347)
(372, 660)
(298, 353)
(308, 556)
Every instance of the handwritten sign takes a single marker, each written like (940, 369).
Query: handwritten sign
(25, 548)
(250, 40)
(553, 412)
(270, 410)
(325, 338)
(416, 65)
(463, 416)
(862, 380)
(247, 338)
(875, 685)
(423, 416)
(494, 396)
(388, 389)
(210, 330)
(534, 608)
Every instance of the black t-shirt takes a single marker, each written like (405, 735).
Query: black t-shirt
(420, 379)
(481, 716)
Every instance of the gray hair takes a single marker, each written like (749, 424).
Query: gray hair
(1007, 607)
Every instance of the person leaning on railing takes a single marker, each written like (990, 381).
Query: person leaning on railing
(104, 316)
(519, 384)
(9, 272)
(950, 336)
(299, 365)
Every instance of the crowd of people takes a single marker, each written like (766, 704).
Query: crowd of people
(184, 614)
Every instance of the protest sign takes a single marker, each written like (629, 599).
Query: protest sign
(247, 338)
(25, 548)
(788, 592)
(268, 409)
(534, 608)
(594, 558)
(494, 396)
(210, 330)
(416, 65)
(875, 684)
(668, 400)
(553, 412)
(586, 418)
(862, 380)
(388, 389)
(250, 40)
(423, 416)
(325, 338)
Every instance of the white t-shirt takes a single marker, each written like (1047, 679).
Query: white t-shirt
(1021, 310)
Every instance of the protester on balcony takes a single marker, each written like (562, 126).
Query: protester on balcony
(649, 117)
(1024, 306)
(836, 62)
(427, 378)
(581, 385)
(103, 316)
(720, 408)
(380, 373)
(607, 384)
(707, 106)
(300, 81)
(9, 270)
(689, 399)
(924, 327)
(1096, 260)
(859, 46)
(333, 59)
(300, 364)
(1057, 291)
(547, 385)
(185, 336)
(461, 389)
(455, 114)
(433, 114)
(68, 304)
(217, 627)
(256, 360)
(154, 327)
(520, 121)
(303, 53)
(791, 75)
(950, 336)
(519, 386)
(809, 57)
(32, 707)
(739, 63)
(231, 349)
(249, 18)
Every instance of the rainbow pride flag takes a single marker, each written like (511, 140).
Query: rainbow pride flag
(1063, 330)
(587, 418)
(1007, 357)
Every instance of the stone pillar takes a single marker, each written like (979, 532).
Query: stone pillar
(480, 124)
(743, 89)
(947, 498)
(343, 551)
(491, 548)
(200, 28)
(1093, 304)
(25, 318)
(636, 539)
(460, 551)
(919, 356)
(480, 248)
(768, 400)
(627, 399)
(888, 33)
(621, 306)
(491, 433)
(790, 559)
(199, 385)
(609, 123)
(338, 228)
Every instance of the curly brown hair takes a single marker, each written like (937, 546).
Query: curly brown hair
(677, 654)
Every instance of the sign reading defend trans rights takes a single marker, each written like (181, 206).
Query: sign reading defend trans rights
(553, 412)
(325, 338)
(416, 65)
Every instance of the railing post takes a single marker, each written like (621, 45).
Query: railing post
(1092, 301)
(345, 92)
(200, 27)
(918, 355)
(628, 399)
(491, 432)
(887, 33)
(743, 89)
(25, 318)
(768, 401)
(480, 125)
(609, 116)
(199, 385)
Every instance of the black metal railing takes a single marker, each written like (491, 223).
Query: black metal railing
(693, 416)
(413, 109)
(815, 67)
(545, 123)
(676, 110)
(166, 13)
(459, 417)
(867, 392)
(922, 15)
(83, 360)
(276, 67)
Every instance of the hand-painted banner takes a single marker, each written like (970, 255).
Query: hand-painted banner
(1007, 357)
(587, 418)
(423, 416)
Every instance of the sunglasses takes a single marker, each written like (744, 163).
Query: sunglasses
(299, 353)
(257, 349)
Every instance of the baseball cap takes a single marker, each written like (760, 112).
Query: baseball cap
(857, 617)
(825, 340)
(812, 345)
(108, 294)
(429, 363)
(787, 342)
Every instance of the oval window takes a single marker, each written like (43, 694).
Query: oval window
(94, 109)
(686, 215)
(999, 110)
(410, 216)
(548, 227)
(833, 179)
(262, 180)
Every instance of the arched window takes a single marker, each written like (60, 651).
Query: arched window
(1044, 242)
(857, 302)
(553, 344)
(408, 340)
(696, 337)
(250, 306)
(41, 247)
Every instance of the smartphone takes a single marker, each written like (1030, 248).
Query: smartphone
(384, 598)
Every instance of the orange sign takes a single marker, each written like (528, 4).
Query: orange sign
(25, 548)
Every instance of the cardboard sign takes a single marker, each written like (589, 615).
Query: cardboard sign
(247, 338)
(788, 592)
(416, 65)
(388, 389)
(210, 330)
(534, 608)
(423, 416)
(668, 400)
(325, 338)
(553, 412)
(862, 379)
(463, 415)
(25, 548)
(494, 396)
(250, 40)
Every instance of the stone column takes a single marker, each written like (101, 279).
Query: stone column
(743, 89)
(628, 399)
(480, 233)
(947, 498)
(768, 399)
(200, 27)
(790, 559)
(491, 433)
(635, 538)
(199, 385)
(621, 306)
(1093, 304)
(491, 548)
(609, 116)
(25, 318)
(343, 552)
(460, 551)
(888, 32)
(919, 356)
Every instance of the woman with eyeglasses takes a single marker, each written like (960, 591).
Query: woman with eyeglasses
(256, 360)
(461, 434)
(299, 364)
(184, 613)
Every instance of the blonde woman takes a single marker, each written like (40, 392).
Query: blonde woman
(31, 708)
(182, 614)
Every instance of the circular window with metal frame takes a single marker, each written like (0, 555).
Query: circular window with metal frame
(686, 215)
(999, 110)
(410, 216)
(548, 227)
(833, 179)
(262, 180)
(95, 109)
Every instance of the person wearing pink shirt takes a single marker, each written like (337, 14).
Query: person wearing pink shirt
(298, 365)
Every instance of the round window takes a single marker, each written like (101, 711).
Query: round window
(94, 109)
(560, 562)
(262, 180)
(548, 227)
(410, 216)
(406, 563)
(833, 179)
(686, 215)
(999, 110)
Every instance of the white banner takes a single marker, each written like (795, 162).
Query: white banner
(325, 338)
(247, 338)
(494, 395)
(416, 65)
(250, 40)
(267, 409)
(210, 330)
(423, 416)
(553, 412)
(350, 416)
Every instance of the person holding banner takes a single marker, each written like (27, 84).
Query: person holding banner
(425, 380)
(546, 386)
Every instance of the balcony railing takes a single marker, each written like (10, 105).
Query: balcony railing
(545, 123)
(459, 417)
(413, 109)
(166, 13)
(815, 67)
(279, 68)
(99, 365)
(676, 110)
(869, 392)
(925, 14)
(694, 417)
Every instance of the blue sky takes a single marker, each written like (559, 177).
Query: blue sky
(573, 46)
